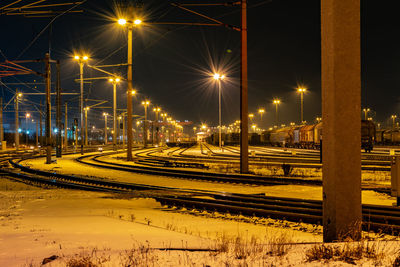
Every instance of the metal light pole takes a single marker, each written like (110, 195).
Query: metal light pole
(130, 25)
(366, 110)
(118, 128)
(301, 90)
(261, 111)
(145, 104)
(164, 116)
(276, 102)
(27, 116)
(157, 110)
(218, 78)
(394, 120)
(37, 134)
(105, 128)
(16, 137)
(81, 61)
(114, 82)
(123, 130)
(86, 128)
(66, 128)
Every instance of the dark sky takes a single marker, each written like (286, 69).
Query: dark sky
(172, 64)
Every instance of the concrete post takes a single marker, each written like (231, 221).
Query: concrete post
(341, 106)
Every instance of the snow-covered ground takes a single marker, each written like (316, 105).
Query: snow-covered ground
(116, 230)
(112, 230)
(68, 165)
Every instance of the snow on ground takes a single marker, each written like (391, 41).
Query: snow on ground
(112, 230)
(67, 165)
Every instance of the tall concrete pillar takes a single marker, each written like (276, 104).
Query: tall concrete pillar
(341, 106)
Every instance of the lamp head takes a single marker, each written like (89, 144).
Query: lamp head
(122, 21)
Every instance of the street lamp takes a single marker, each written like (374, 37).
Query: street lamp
(301, 90)
(254, 126)
(261, 111)
(114, 81)
(164, 116)
(105, 127)
(18, 96)
(276, 102)
(86, 128)
(318, 119)
(130, 24)
(156, 110)
(218, 77)
(366, 110)
(145, 103)
(394, 120)
(27, 116)
(81, 60)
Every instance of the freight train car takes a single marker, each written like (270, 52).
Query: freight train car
(309, 136)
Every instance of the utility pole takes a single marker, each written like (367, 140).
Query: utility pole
(48, 108)
(244, 142)
(81, 104)
(130, 88)
(58, 112)
(16, 137)
(66, 128)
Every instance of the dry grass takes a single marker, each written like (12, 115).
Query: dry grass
(88, 259)
(349, 252)
(140, 255)
(253, 247)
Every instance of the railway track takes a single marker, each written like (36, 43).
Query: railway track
(209, 155)
(158, 167)
(377, 218)
(96, 161)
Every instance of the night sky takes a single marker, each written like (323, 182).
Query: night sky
(173, 64)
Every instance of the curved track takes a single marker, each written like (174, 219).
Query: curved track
(378, 218)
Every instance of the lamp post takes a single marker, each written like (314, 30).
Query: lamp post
(145, 103)
(254, 127)
(301, 90)
(119, 127)
(366, 110)
(114, 82)
(261, 111)
(130, 24)
(164, 116)
(156, 110)
(27, 116)
(218, 78)
(86, 128)
(276, 102)
(318, 119)
(81, 60)
(105, 127)
(394, 120)
(17, 98)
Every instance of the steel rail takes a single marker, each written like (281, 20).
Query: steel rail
(382, 218)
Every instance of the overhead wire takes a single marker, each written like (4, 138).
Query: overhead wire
(48, 25)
